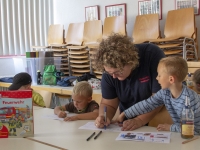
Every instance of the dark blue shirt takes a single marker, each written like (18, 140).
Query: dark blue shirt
(140, 84)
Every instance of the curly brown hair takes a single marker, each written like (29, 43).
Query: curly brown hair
(116, 51)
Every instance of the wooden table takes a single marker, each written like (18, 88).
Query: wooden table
(68, 136)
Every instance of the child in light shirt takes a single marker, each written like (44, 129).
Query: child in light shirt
(171, 73)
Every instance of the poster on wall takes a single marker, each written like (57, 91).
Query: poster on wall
(150, 7)
(116, 10)
(92, 13)
(179, 4)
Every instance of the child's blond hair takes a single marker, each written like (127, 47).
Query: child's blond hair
(82, 88)
(175, 66)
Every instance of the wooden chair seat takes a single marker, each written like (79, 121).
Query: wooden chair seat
(78, 57)
(59, 49)
(59, 55)
(76, 47)
(172, 52)
(99, 76)
(66, 72)
(81, 70)
(169, 45)
(98, 72)
(80, 66)
(78, 52)
(79, 61)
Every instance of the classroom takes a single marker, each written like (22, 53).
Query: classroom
(65, 35)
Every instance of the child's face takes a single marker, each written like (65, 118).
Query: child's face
(81, 102)
(163, 77)
(25, 87)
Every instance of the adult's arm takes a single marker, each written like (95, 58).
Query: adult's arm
(112, 105)
(139, 121)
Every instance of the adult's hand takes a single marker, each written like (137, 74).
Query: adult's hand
(99, 122)
(131, 124)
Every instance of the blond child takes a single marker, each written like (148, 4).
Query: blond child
(22, 81)
(196, 80)
(171, 72)
(82, 105)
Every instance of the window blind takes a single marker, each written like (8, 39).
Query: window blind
(24, 23)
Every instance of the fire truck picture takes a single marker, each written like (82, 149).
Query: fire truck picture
(6, 113)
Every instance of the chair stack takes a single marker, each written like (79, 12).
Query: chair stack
(180, 34)
(80, 61)
(56, 45)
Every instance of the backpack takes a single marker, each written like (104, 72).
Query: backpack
(49, 77)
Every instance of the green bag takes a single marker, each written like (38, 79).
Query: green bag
(49, 77)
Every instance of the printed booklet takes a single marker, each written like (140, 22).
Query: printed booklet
(16, 114)
(157, 137)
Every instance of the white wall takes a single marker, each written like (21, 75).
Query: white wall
(72, 11)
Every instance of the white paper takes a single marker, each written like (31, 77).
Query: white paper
(156, 137)
(55, 117)
(111, 127)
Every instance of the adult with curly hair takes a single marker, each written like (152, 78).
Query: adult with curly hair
(129, 76)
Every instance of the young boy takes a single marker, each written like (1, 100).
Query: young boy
(82, 104)
(171, 72)
(196, 80)
(22, 81)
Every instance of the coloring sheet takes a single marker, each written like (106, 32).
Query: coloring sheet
(111, 127)
(55, 117)
(157, 137)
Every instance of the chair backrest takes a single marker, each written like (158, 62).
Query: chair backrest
(161, 117)
(180, 23)
(47, 97)
(75, 34)
(146, 27)
(55, 34)
(92, 32)
(114, 25)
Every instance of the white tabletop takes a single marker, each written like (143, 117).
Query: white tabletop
(67, 135)
(22, 144)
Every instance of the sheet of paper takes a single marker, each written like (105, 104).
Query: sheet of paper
(55, 117)
(91, 126)
(156, 137)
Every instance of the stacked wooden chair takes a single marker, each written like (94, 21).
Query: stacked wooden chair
(55, 36)
(146, 28)
(73, 36)
(79, 56)
(180, 34)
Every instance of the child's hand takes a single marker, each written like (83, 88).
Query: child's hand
(163, 127)
(121, 117)
(73, 118)
(62, 114)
